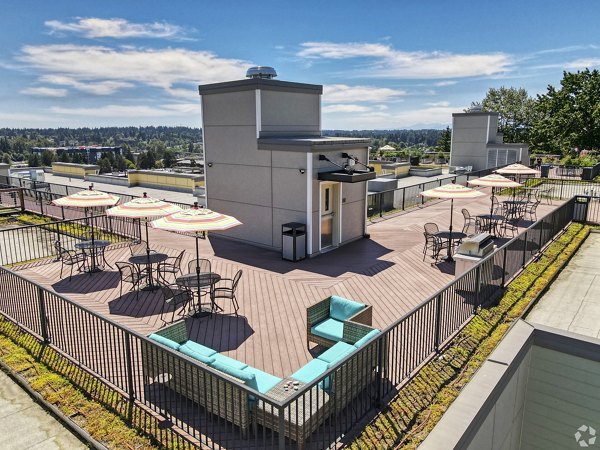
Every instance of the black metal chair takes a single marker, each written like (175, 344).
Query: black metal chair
(471, 222)
(69, 258)
(129, 274)
(530, 210)
(171, 265)
(228, 290)
(139, 248)
(205, 267)
(432, 242)
(174, 296)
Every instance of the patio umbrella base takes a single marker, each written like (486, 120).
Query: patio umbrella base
(150, 287)
(94, 270)
(198, 312)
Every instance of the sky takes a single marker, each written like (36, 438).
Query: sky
(382, 64)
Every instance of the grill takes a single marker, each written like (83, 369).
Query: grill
(479, 245)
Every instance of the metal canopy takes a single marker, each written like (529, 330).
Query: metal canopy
(343, 177)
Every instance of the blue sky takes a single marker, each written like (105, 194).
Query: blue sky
(383, 64)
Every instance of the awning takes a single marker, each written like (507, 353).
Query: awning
(344, 177)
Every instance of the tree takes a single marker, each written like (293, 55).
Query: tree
(445, 141)
(64, 157)
(120, 163)
(104, 164)
(568, 118)
(78, 158)
(34, 160)
(6, 158)
(516, 111)
(147, 160)
(169, 159)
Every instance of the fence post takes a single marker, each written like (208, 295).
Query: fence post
(22, 199)
(281, 427)
(380, 196)
(43, 318)
(130, 388)
(438, 318)
(403, 198)
(524, 248)
(562, 183)
(380, 361)
(504, 267)
(477, 288)
(421, 186)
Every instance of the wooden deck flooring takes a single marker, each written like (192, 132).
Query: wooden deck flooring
(386, 271)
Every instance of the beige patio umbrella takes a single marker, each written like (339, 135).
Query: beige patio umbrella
(196, 220)
(88, 199)
(451, 191)
(494, 180)
(144, 208)
(517, 169)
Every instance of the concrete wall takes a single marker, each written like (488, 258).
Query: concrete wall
(74, 170)
(117, 181)
(169, 181)
(290, 113)
(470, 134)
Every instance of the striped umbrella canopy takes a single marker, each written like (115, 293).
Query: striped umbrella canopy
(452, 191)
(494, 180)
(88, 198)
(517, 169)
(144, 208)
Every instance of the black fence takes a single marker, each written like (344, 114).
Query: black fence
(561, 189)
(209, 409)
(31, 242)
(406, 197)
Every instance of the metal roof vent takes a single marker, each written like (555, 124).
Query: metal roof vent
(476, 108)
(264, 72)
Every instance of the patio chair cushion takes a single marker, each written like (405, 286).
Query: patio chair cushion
(342, 308)
(226, 360)
(310, 371)
(366, 338)
(246, 377)
(164, 341)
(262, 381)
(197, 356)
(337, 352)
(199, 348)
(329, 329)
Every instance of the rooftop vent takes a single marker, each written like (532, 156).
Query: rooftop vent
(476, 109)
(264, 72)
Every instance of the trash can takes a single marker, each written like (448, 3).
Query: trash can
(580, 208)
(545, 170)
(293, 241)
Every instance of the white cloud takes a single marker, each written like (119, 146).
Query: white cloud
(341, 93)
(584, 63)
(96, 88)
(445, 83)
(129, 111)
(94, 27)
(345, 108)
(102, 70)
(436, 104)
(391, 63)
(44, 91)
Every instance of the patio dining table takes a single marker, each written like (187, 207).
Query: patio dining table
(191, 281)
(514, 208)
(450, 237)
(489, 223)
(148, 260)
(94, 250)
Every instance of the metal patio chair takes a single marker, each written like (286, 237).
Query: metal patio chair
(129, 274)
(69, 258)
(432, 242)
(171, 265)
(174, 296)
(228, 289)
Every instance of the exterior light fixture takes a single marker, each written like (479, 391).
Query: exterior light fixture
(209, 164)
(302, 171)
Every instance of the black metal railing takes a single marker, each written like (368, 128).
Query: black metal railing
(213, 410)
(406, 197)
(32, 242)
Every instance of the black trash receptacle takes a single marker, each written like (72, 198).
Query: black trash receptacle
(293, 241)
(544, 170)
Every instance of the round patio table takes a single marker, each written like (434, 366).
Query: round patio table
(196, 281)
(148, 260)
(95, 249)
(490, 222)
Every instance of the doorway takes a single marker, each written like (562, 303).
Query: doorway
(329, 216)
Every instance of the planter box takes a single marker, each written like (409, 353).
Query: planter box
(419, 172)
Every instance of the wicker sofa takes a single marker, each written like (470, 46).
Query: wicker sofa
(334, 319)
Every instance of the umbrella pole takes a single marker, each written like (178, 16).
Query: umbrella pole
(492, 203)
(93, 268)
(450, 240)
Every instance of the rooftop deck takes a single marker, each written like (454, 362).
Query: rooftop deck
(386, 271)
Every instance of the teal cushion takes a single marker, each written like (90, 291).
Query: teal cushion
(262, 382)
(222, 359)
(246, 377)
(199, 348)
(198, 356)
(164, 341)
(337, 352)
(310, 371)
(366, 338)
(329, 329)
(342, 308)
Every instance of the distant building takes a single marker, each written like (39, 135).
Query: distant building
(476, 142)
(90, 153)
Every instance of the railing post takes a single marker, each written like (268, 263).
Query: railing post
(43, 318)
(562, 183)
(438, 318)
(281, 427)
(380, 361)
(504, 267)
(403, 198)
(22, 200)
(380, 195)
(524, 249)
(130, 388)
(477, 288)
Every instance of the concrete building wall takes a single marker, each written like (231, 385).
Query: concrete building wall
(288, 113)
(470, 134)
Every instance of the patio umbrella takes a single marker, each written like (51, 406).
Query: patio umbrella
(494, 180)
(87, 199)
(451, 191)
(144, 208)
(517, 169)
(196, 220)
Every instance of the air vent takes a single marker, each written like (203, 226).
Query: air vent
(264, 72)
